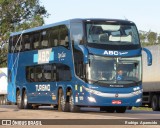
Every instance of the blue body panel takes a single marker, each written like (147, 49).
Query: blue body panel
(126, 53)
(46, 97)
(104, 96)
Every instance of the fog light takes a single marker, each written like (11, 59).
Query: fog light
(91, 99)
(138, 100)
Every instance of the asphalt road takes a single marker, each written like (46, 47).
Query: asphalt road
(12, 112)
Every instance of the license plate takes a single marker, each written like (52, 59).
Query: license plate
(116, 102)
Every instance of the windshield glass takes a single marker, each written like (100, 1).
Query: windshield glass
(113, 70)
(112, 33)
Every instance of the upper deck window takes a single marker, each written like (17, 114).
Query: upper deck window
(44, 39)
(112, 33)
(77, 33)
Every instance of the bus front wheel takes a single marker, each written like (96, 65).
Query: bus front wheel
(72, 106)
(62, 104)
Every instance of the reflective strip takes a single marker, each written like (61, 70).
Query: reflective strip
(120, 95)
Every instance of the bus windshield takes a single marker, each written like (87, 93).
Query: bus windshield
(112, 33)
(113, 70)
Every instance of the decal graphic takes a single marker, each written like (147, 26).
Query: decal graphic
(123, 53)
(43, 87)
(116, 53)
(102, 94)
(43, 56)
(61, 56)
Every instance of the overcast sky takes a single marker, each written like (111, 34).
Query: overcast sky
(145, 13)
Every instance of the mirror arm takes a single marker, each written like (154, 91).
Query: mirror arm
(149, 56)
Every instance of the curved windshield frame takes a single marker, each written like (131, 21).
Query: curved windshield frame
(114, 70)
(112, 33)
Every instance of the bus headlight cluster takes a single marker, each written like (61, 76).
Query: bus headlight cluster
(136, 88)
(138, 92)
(91, 99)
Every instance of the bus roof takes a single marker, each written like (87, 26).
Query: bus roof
(67, 22)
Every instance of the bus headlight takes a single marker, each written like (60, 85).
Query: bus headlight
(91, 99)
(138, 92)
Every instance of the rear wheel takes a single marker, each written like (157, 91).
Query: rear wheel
(121, 109)
(0, 100)
(26, 105)
(62, 104)
(155, 103)
(4, 100)
(72, 106)
(19, 100)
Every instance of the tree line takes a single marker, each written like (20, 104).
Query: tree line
(16, 15)
(149, 38)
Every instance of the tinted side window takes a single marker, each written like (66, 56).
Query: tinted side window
(45, 39)
(47, 73)
(77, 33)
(30, 74)
(26, 42)
(35, 40)
(10, 44)
(9, 75)
(18, 44)
(63, 40)
(63, 72)
(43, 73)
(14, 41)
(54, 36)
(38, 73)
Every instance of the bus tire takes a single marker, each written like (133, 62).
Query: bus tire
(155, 103)
(108, 109)
(62, 104)
(121, 109)
(4, 100)
(0, 100)
(26, 105)
(19, 100)
(72, 106)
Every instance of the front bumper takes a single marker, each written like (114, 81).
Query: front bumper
(91, 97)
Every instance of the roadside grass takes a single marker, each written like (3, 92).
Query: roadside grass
(142, 108)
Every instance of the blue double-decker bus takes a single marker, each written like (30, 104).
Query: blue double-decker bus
(77, 63)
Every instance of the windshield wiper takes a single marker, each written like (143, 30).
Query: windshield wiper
(99, 81)
(130, 81)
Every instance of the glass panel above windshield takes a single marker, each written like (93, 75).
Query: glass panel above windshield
(112, 33)
(113, 70)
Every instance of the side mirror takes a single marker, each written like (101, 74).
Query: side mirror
(149, 56)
